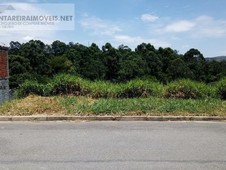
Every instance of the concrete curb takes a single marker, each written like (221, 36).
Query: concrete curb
(111, 118)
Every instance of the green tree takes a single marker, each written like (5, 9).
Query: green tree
(166, 55)
(178, 69)
(58, 48)
(60, 64)
(34, 50)
(153, 64)
(19, 68)
(131, 66)
(215, 70)
(193, 55)
(111, 62)
(93, 65)
(196, 62)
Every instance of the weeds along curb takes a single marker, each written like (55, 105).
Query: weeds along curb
(111, 118)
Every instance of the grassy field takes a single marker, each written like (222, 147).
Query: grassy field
(81, 106)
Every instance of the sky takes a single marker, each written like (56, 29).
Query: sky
(178, 24)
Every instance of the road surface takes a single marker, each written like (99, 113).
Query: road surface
(113, 145)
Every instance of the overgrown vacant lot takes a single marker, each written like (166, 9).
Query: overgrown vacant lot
(71, 95)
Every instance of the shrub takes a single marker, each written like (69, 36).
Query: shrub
(187, 89)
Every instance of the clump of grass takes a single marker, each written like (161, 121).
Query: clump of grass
(187, 89)
(139, 88)
(65, 84)
(33, 87)
(101, 89)
(221, 89)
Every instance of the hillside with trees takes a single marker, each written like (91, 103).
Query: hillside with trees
(38, 61)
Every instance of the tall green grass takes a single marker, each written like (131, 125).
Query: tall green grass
(221, 89)
(33, 87)
(65, 84)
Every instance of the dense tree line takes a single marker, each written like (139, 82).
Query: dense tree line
(35, 60)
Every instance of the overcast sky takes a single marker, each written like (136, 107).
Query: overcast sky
(179, 24)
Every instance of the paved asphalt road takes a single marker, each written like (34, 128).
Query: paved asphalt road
(113, 145)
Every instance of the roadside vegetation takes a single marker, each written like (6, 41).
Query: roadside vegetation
(65, 84)
(71, 95)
